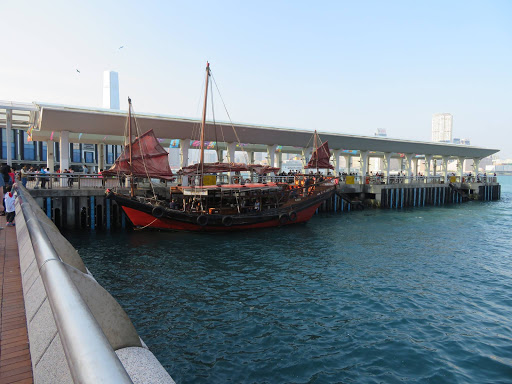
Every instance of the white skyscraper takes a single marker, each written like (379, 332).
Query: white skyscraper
(442, 127)
(110, 90)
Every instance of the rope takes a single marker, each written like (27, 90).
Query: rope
(229, 117)
(144, 227)
(143, 156)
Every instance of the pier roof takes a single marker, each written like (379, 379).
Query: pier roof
(95, 125)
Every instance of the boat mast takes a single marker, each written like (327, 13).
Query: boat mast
(132, 190)
(316, 151)
(201, 160)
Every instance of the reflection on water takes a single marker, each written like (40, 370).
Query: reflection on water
(377, 296)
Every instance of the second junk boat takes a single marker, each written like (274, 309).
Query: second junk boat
(211, 206)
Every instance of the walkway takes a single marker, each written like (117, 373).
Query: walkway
(15, 363)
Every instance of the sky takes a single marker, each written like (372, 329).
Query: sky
(335, 66)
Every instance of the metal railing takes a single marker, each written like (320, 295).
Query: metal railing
(89, 354)
(87, 181)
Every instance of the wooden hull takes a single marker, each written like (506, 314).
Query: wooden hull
(141, 215)
(142, 219)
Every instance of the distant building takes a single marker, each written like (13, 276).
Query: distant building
(465, 141)
(456, 140)
(110, 90)
(381, 132)
(442, 127)
(174, 157)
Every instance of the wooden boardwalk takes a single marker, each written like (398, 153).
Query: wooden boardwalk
(15, 363)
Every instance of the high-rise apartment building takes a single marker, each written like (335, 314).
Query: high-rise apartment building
(442, 127)
(110, 90)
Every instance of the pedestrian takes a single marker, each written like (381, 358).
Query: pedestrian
(24, 178)
(2, 190)
(10, 208)
(43, 177)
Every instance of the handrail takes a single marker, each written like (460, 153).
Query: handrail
(90, 356)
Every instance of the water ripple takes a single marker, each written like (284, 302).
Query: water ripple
(419, 296)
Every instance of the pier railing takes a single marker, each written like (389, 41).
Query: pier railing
(87, 181)
(90, 357)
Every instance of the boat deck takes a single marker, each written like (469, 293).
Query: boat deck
(15, 362)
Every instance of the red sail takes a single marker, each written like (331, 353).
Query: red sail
(320, 158)
(149, 159)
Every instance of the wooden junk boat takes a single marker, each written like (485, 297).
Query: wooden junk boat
(208, 206)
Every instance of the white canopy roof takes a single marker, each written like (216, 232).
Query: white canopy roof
(108, 126)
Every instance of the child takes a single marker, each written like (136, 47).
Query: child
(9, 206)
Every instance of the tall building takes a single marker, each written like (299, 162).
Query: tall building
(110, 90)
(442, 127)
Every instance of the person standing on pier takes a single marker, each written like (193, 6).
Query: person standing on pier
(24, 177)
(9, 202)
(43, 178)
(2, 188)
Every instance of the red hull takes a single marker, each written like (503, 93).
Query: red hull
(141, 219)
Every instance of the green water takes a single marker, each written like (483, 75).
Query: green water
(379, 296)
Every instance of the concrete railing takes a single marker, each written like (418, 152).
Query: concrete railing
(77, 331)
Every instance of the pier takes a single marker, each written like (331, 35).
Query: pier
(83, 203)
(58, 324)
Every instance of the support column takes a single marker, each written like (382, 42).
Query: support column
(387, 164)
(50, 158)
(231, 152)
(363, 161)
(348, 163)
(8, 134)
(271, 151)
(460, 168)
(101, 156)
(476, 165)
(445, 167)
(184, 147)
(408, 168)
(428, 159)
(336, 155)
(220, 155)
(279, 160)
(251, 157)
(415, 161)
(64, 155)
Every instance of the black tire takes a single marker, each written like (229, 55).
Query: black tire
(158, 211)
(227, 221)
(202, 220)
(293, 216)
(283, 219)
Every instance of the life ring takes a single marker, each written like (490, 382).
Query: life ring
(227, 221)
(247, 180)
(236, 179)
(158, 211)
(283, 218)
(202, 220)
(293, 216)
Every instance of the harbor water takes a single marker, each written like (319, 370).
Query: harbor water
(376, 296)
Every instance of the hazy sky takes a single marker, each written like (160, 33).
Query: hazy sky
(340, 66)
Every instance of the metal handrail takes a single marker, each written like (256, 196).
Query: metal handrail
(89, 354)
